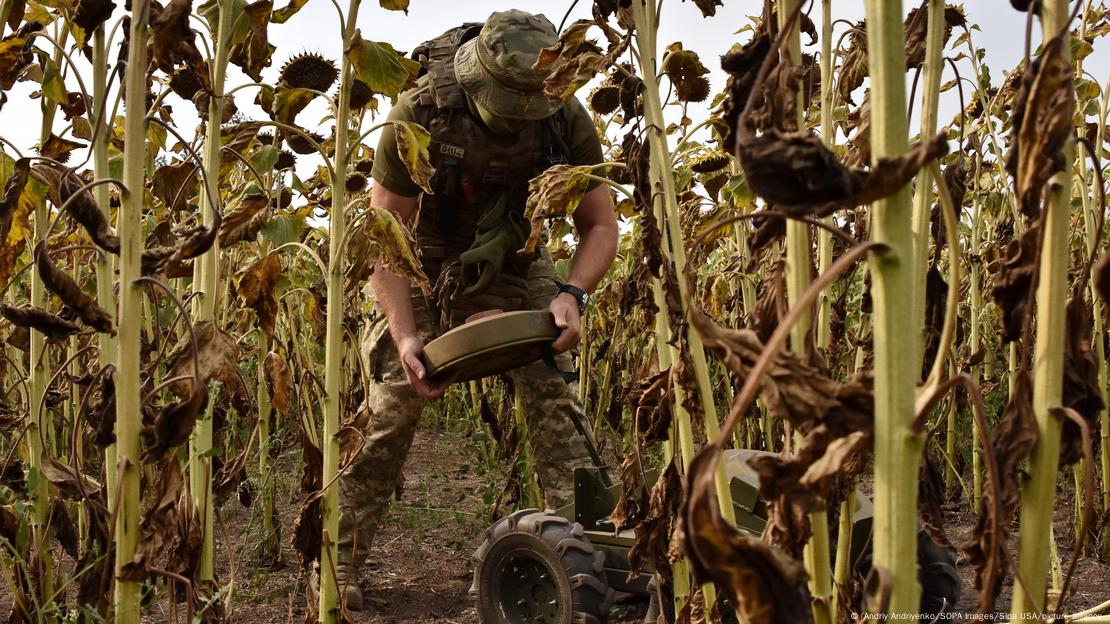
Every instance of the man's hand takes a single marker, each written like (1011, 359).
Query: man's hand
(564, 308)
(411, 350)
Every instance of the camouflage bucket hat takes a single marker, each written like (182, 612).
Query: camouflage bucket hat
(495, 68)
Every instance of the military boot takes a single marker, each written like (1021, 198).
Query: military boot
(346, 577)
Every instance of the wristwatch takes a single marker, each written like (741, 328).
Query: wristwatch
(575, 292)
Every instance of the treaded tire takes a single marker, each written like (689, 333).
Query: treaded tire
(941, 584)
(537, 567)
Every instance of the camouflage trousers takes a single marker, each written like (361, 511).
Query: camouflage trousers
(549, 404)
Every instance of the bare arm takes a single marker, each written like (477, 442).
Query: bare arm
(392, 293)
(597, 247)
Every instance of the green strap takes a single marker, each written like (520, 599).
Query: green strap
(548, 355)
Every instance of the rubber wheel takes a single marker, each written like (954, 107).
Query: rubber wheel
(941, 585)
(536, 567)
(940, 581)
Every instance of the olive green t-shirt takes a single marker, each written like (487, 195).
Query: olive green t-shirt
(389, 171)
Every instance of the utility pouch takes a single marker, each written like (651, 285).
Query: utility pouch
(506, 291)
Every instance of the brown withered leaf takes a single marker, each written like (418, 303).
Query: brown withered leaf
(245, 217)
(172, 41)
(173, 424)
(930, 496)
(1082, 391)
(61, 525)
(854, 68)
(799, 175)
(1042, 122)
(83, 209)
(792, 389)
(650, 398)
(175, 183)
(391, 246)
(308, 527)
(1013, 440)
(197, 239)
(73, 297)
(574, 60)
(50, 325)
(254, 52)
(58, 148)
(279, 382)
(654, 532)
(742, 65)
(555, 192)
(1013, 280)
(916, 29)
(633, 501)
(160, 518)
(771, 306)
(708, 7)
(92, 13)
(1102, 284)
(16, 53)
(70, 482)
(765, 585)
(413, 141)
(686, 73)
(100, 408)
(218, 356)
(10, 205)
(257, 286)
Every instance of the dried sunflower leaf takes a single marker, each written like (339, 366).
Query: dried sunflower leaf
(279, 382)
(574, 60)
(412, 146)
(71, 294)
(50, 325)
(1042, 121)
(390, 245)
(555, 192)
(257, 286)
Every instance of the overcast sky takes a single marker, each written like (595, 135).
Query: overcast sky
(315, 28)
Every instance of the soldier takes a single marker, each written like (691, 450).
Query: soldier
(493, 129)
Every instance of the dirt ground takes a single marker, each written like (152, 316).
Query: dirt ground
(420, 564)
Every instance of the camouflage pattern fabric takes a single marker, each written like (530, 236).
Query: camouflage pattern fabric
(367, 485)
(496, 70)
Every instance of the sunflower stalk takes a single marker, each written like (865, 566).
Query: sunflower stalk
(39, 425)
(975, 339)
(923, 188)
(897, 363)
(798, 267)
(1039, 491)
(206, 276)
(665, 206)
(647, 24)
(333, 349)
(128, 399)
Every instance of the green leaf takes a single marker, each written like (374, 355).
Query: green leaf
(395, 5)
(281, 230)
(412, 146)
(264, 159)
(289, 102)
(736, 189)
(52, 85)
(382, 68)
(283, 14)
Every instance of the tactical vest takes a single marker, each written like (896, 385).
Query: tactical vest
(473, 166)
